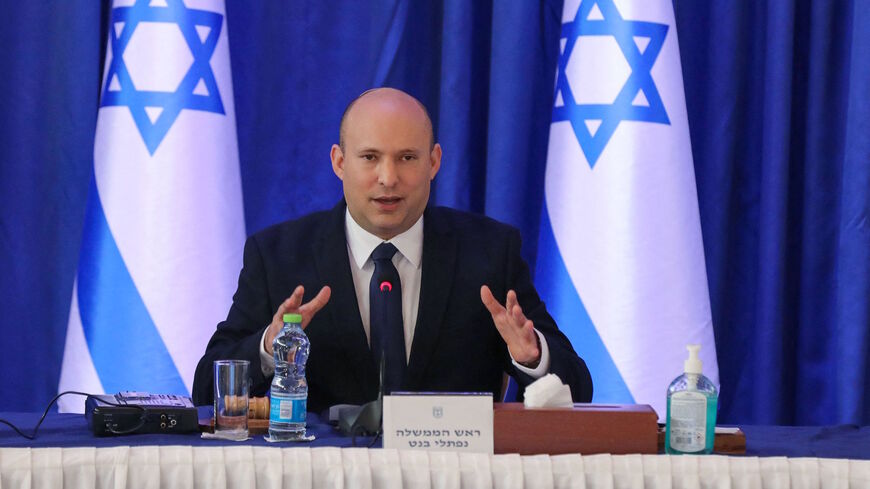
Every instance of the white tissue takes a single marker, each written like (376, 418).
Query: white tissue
(548, 391)
(217, 436)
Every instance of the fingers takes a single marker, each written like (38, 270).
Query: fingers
(517, 315)
(289, 304)
(294, 304)
(309, 309)
(511, 300)
(514, 308)
(295, 299)
(511, 308)
(492, 305)
(526, 346)
(517, 331)
(535, 350)
(320, 299)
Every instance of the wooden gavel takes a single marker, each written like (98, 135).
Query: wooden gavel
(258, 407)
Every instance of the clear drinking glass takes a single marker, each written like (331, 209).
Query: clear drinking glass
(231, 399)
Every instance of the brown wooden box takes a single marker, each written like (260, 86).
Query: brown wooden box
(585, 429)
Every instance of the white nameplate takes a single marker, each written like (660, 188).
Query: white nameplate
(455, 422)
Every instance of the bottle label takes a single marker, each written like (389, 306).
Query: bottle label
(287, 409)
(688, 421)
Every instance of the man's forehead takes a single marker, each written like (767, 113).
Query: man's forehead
(362, 147)
(385, 106)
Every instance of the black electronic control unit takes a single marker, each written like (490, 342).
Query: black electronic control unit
(139, 412)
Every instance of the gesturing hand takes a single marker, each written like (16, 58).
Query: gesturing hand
(516, 330)
(293, 304)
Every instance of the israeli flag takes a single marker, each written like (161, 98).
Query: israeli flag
(621, 262)
(164, 227)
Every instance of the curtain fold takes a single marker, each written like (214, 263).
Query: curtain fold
(776, 107)
(853, 247)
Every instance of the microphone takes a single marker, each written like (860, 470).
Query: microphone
(368, 418)
(386, 288)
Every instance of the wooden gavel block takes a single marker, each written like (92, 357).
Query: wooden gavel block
(258, 408)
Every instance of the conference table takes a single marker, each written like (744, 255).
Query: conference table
(66, 454)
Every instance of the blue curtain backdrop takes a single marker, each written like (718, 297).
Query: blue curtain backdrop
(777, 94)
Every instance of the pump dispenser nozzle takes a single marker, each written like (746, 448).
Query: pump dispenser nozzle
(693, 364)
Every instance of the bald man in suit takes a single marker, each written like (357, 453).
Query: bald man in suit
(454, 332)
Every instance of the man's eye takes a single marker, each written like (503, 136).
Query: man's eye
(368, 157)
(409, 157)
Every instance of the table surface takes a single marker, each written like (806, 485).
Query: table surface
(71, 430)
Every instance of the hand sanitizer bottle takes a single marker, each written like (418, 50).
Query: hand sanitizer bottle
(691, 418)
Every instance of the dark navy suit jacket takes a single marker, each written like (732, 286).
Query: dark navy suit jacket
(456, 346)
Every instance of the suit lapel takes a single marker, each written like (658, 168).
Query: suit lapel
(439, 260)
(333, 266)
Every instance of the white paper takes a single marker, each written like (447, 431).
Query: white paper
(454, 422)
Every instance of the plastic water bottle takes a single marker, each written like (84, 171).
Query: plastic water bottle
(692, 403)
(289, 389)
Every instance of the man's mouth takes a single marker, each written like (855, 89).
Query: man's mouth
(387, 204)
(387, 200)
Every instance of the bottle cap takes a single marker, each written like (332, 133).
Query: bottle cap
(693, 363)
(293, 318)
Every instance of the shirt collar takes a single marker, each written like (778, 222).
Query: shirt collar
(362, 243)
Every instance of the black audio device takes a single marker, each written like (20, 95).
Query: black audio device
(131, 412)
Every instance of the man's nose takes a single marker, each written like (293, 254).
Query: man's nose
(387, 175)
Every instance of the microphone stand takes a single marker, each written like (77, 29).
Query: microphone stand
(368, 418)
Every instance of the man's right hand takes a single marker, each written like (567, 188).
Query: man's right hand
(293, 304)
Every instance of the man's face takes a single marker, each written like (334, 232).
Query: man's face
(387, 162)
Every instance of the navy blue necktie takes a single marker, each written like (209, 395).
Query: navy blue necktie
(385, 318)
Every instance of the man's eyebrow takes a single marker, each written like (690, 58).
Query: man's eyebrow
(368, 150)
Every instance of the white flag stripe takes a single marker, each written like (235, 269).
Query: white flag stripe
(77, 370)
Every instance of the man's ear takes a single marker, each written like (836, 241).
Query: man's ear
(435, 160)
(337, 157)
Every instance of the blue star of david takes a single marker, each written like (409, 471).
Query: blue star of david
(623, 31)
(123, 92)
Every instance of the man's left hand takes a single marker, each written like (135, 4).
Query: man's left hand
(517, 331)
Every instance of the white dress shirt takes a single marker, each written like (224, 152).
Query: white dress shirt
(409, 263)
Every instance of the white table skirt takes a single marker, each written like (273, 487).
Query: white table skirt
(267, 467)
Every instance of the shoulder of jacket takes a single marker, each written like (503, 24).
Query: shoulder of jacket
(468, 223)
(301, 226)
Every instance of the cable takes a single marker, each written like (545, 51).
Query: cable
(142, 416)
(375, 439)
(360, 431)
